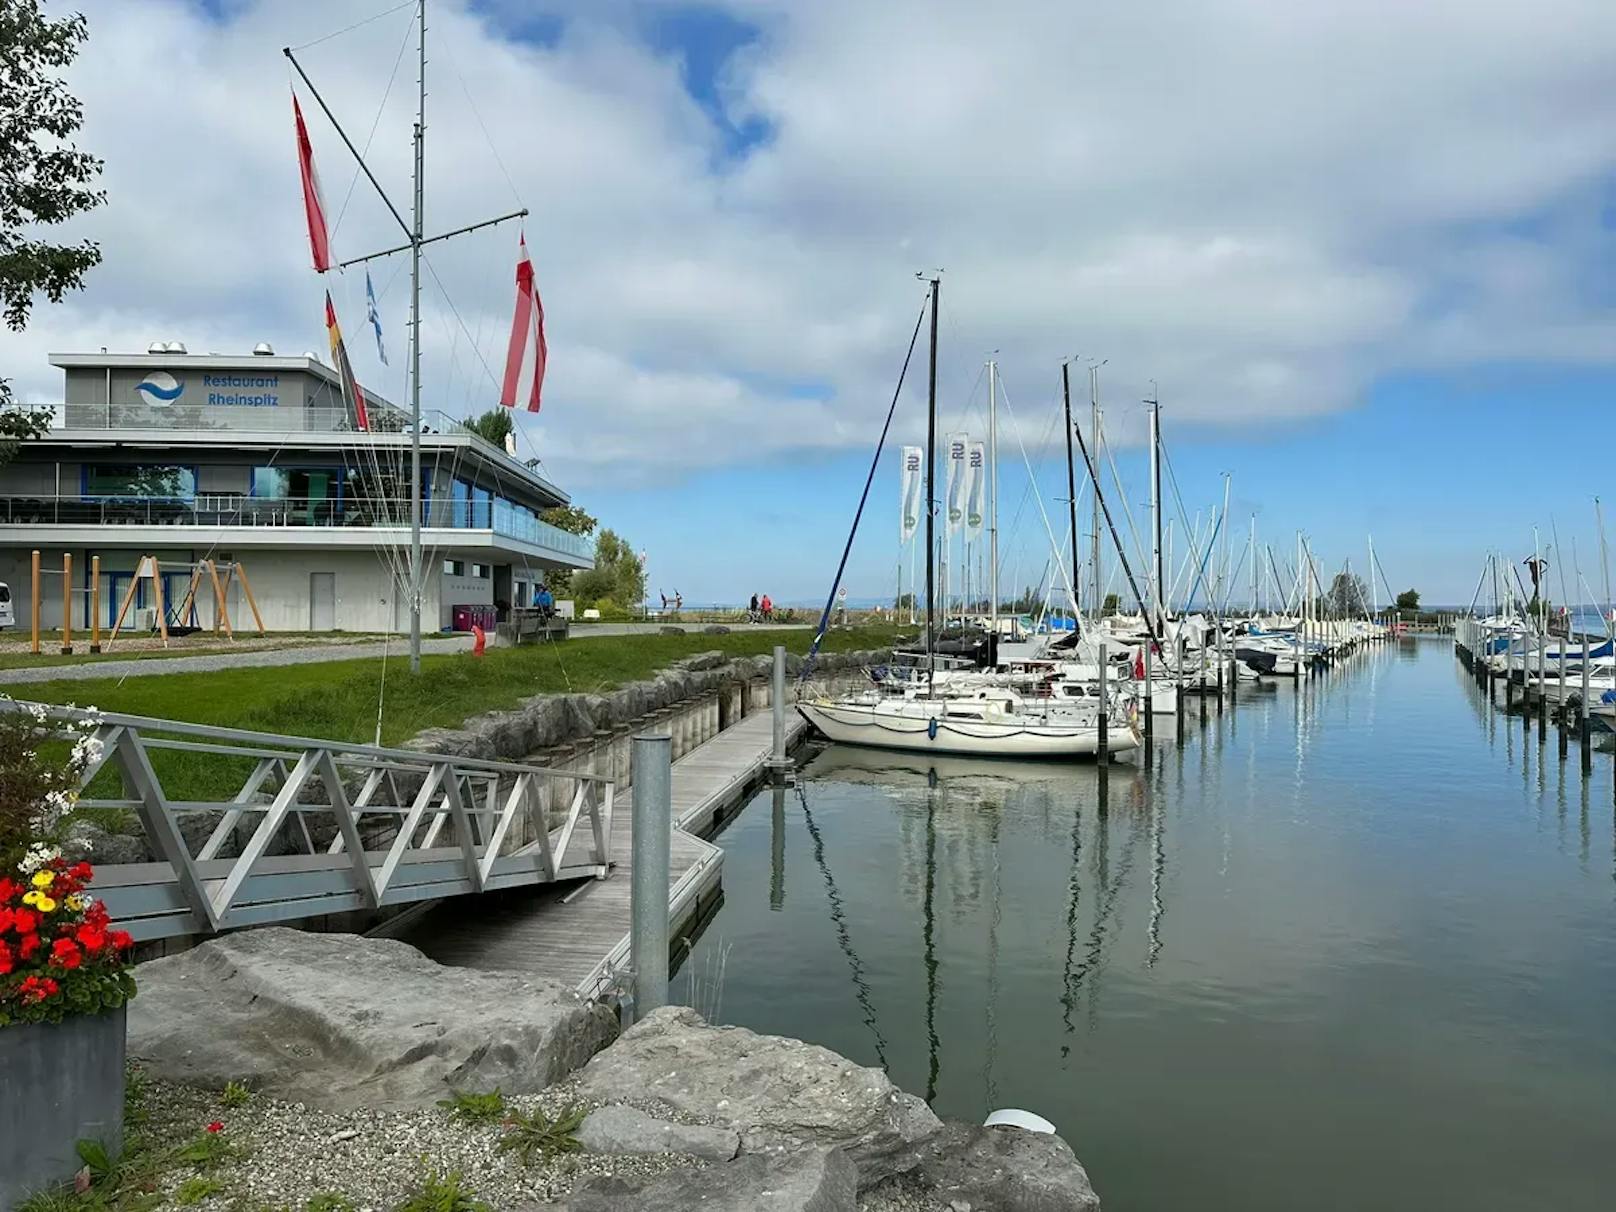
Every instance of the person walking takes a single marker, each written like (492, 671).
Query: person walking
(768, 608)
(752, 610)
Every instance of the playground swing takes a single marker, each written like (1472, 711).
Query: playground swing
(151, 568)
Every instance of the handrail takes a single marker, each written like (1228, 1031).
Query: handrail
(289, 741)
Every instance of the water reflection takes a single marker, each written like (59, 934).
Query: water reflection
(1339, 917)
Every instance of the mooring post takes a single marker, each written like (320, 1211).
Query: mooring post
(1582, 731)
(1148, 699)
(1234, 671)
(779, 763)
(648, 891)
(1561, 721)
(1179, 652)
(1218, 650)
(1542, 700)
(1102, 750)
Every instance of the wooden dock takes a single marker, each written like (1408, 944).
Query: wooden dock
(580, 934)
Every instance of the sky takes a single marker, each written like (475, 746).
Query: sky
(1357, 248)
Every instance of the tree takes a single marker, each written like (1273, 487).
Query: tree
(616, 577)
(1347, 596)
(44, 180)
(574, 521)
(493, 426)
(1409, 599)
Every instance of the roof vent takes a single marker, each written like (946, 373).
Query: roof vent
(311, 355)
(157, 347)
(176, 347)
(263, 350)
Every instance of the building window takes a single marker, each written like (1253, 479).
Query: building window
(454, 568)
(158, 483)
(297, 483)
(480, 571)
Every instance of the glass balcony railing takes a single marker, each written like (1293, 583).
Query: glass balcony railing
(236, 509)
(383, 418)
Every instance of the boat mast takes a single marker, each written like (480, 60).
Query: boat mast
(1374, 590)
(1604, 561)
(1155, 511)
(993, 508)
(1253, 566)
(417, 582)
(931, 491)
(1071, 478)
(1094, 411)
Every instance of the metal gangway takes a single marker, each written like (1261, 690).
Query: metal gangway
(410, 826)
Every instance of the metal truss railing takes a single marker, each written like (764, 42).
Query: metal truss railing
(408, 826)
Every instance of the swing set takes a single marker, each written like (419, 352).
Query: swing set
(150, 568)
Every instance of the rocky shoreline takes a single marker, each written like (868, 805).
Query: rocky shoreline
(348, 1043)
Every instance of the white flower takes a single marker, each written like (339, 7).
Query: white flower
(87, 750)
(37, 710)
(39, 855)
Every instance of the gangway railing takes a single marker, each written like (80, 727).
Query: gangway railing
(408, 825)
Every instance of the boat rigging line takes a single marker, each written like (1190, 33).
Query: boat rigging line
(875, 461)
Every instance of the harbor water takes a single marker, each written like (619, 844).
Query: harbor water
(1350, 944)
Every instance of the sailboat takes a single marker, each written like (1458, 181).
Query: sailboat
(972, 720)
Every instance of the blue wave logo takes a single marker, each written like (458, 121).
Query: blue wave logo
(160, 387)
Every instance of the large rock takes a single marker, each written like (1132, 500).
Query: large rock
(630, 1130)
(779, 1094)
(818, 1180)
(341, 1021)
(1005, 1170)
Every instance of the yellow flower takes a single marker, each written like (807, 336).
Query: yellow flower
(77, 902)
(44, 879)
(45, 905)
(30, 898)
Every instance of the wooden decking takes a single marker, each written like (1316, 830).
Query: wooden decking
(579, 934)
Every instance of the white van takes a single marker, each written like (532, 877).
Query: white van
(8, 617)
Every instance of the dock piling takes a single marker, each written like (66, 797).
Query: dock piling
(1102, 752)
(779, 763)
(648, 914)
(1582, 730)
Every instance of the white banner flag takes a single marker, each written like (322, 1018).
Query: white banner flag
(955, 497)
(909, 493)
(976, 458)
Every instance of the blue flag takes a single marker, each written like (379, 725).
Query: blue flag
(374, 318)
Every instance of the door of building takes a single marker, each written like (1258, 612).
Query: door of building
(322, 601)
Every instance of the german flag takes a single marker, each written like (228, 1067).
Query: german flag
(352, 395)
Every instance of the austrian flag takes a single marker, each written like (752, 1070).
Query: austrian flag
(526, 354)
(313, 203)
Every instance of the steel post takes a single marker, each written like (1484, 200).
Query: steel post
(653, 822)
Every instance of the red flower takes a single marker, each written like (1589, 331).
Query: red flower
(216, 1126)
(96, 914)
(5, 918)
(28, 945)
(82, 871)
(37, 989)
(91, 938)
(65, 953)
(122, 940)
(6, 962)
(8, 890)
(24, 921)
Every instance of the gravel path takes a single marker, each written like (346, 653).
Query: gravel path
(290, 1153)
(226, 660)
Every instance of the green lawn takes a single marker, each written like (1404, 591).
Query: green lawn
(337, 699)
(50, 643)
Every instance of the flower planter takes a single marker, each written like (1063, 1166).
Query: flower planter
(63, 1084)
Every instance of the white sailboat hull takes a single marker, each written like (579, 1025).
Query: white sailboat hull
(925, 728)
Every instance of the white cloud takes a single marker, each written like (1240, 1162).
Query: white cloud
(1261, 205)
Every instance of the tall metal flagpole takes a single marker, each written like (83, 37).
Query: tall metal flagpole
(417, 581)
(417, 238)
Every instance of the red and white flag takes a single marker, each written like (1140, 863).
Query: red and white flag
(527, 352)
(313, 203)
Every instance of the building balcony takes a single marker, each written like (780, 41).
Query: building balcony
(210, 425)
(337, 521)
